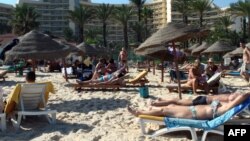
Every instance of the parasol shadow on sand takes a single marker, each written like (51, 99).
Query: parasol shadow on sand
(219, 47)
(171, 33)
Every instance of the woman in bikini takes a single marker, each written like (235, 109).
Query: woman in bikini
(106, 79)
(200, 112)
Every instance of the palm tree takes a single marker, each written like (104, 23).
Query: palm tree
(123, 14)
(146, 14)
(201, 6)
(139, 5)
(24, 19)
(103, 12)
(80, 16)
(225, 22)
(93, 36)
(183, 7)
(242, 8)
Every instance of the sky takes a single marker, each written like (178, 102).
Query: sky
(220, 3)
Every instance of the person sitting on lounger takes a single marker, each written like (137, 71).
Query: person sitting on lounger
(211, 68)
(199, 100)
(12, 99)
(99, 69)
(199, 112)
(111, 67)
(107, 79)
(196, 79)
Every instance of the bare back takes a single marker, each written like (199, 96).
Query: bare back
(246, 55)
(222, 97)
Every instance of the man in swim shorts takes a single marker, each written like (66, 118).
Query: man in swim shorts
(199, 100)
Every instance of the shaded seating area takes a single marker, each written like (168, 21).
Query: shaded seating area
(179, 124)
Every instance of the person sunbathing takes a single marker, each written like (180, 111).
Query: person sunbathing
(199, 100)
(199, 112)
(106, 79)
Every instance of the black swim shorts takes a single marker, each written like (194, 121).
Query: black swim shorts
(200, 100)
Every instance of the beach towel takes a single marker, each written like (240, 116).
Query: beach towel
(13, 98)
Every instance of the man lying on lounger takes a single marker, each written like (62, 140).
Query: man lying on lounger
(200, 112)
(107, 79)
(199, 100)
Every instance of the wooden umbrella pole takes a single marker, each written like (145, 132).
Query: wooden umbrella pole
(34, 65)
(177, 70)
(162, 71)
(153, 67)
(65, 70)
(148, 61)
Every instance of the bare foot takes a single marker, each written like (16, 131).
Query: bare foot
(133, 111)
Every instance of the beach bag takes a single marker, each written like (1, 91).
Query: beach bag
(144, 92)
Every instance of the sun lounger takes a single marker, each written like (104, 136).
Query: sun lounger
(178, 124)
(3, 74)
(31, 97)
(213, 84)
(233, 73)
(115, 85)
(69, 71)
(139, 79)
(3, 121)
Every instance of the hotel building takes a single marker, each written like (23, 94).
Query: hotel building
(54, 17)
(5, 12)
(53, 14)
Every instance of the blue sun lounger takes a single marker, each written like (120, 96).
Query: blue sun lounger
(234, 73)
(179, 124)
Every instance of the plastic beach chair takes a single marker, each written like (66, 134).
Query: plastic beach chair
(31, 98)
(179, 124)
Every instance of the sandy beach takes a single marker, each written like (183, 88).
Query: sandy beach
(96, 115)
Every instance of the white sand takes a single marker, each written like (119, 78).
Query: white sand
(96, 115)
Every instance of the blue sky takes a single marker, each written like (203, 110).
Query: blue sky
(221, 3)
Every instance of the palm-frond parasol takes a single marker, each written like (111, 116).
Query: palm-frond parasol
(88, 49)
(200, 48)
(171, 33)
(35, 45)
(220, 46)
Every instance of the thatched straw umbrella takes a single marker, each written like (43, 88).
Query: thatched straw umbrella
(200, 48)
(158, 53)
(35, 45)
(171, 33)
(88, 49)
(219, 47)
(248, 44)
(237, 52)
(193, 47)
